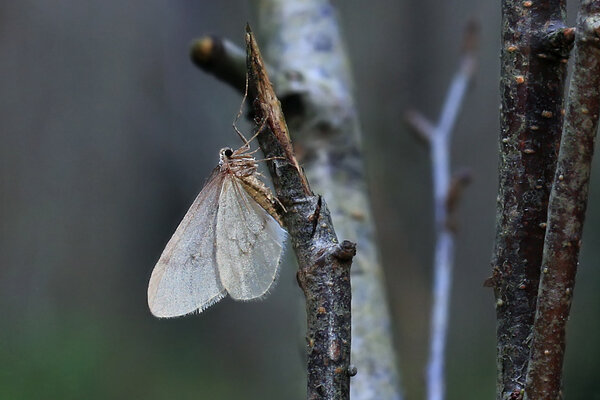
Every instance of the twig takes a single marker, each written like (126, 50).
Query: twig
(566, 211)
(535, 47)
(324, 264)
(221, 58)
(445, 196)
(302, 40)
(303, 43)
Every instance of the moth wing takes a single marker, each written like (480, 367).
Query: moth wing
(249, 243)
(185, 277)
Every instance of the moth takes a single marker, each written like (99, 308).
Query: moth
(229, 242)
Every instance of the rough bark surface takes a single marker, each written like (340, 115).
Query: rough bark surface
(303, 44)
(324, 264)
(566, 212)
(535, 47)
(309, 67)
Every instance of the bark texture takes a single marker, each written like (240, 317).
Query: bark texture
(308, 65)
(566, 212)
(535, 47)
(303, 44)
(324, 264)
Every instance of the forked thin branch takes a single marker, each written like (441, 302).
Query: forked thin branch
(446, 192)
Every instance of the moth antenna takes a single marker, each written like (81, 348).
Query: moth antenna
(239, 114)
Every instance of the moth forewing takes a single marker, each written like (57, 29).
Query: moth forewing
(249, 241)
(230, 241)
(185, 278)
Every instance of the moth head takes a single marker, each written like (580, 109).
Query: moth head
(225, 155)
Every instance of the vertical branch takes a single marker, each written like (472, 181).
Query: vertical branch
(324, 264)
(302, 42)
(309, 67)
(566, 211)
(535, 47)
(445, 192)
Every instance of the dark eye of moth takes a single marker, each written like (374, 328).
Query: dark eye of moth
(228, 153)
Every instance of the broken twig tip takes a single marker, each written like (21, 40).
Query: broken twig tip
(569, 34)
(267, 106)
(345, 250)
(202, 50)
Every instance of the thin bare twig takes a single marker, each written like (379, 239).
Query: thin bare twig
(566, 211)
(221, 58)
(444, 193)
(324, 264)
(304, 44)
(309, 66)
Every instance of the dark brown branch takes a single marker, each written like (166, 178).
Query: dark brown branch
(566, 211)
(324, 265)
(535, 45)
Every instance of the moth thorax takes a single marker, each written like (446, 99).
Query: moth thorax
(237, 162)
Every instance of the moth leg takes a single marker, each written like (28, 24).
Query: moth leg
(258, 131)
(239, 114)
(268, 159)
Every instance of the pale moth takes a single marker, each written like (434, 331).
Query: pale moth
(229, 242)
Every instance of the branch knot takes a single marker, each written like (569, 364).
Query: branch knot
(556, 41)
(345, 251)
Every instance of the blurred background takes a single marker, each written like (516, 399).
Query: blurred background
(107, 133)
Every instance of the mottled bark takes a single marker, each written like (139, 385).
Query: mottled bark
(303, 44)
(535, 47)
(566, 211)
(324, 264)
(309, 67)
